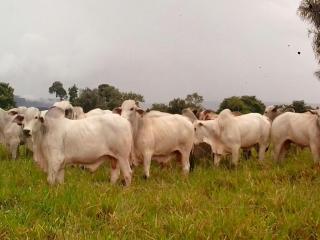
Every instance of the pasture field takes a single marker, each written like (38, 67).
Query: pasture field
(254, 201)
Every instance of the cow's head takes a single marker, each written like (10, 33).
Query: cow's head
(317, 114)
(129, 110)
(30, 121)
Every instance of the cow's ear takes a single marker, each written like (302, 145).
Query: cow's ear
(140, 111)
(200, 124)
(18, 119)
(12, 112)
(274, 109)
(117, 110)
(313, 111)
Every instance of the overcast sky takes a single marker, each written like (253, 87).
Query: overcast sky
(161, 49)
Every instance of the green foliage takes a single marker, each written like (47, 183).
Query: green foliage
(73, 94)
(57, 88)
(309, 10)
(255, 201)
(88, 99)
(6, 96)
(131, 95)
(300, 106)
(194, 100)
(176, 105)
(162, 107)
(104, 97)
(244, 104)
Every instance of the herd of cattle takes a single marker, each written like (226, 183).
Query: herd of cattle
(129, 136)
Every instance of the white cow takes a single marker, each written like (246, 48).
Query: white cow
(58, 141)
(159, 136)
(78, 113)
(303, 129)
(228, 133)
(274, 111)
(67, 108)
(97, 112)
(11, 134)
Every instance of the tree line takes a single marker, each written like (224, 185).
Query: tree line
(106, 96)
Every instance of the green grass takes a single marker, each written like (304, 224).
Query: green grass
(254, 201)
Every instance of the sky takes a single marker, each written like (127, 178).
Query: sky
(160, 49)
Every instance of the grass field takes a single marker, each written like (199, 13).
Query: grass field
(252, 202)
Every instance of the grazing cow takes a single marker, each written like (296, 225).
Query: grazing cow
(274, 111)
(11, 134)
(58, 141)
(67, 108)
(228, 133)
(303, 129)
(158, 136)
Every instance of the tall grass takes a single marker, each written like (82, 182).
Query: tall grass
(259, 201)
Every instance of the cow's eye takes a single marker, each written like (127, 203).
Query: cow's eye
(36, 117)
(131, 109)
(195, 129)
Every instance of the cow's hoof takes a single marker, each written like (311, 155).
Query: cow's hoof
(123, 182)
(145, 177)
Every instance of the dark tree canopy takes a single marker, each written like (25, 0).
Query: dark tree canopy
(104, 97)
(244, 104)
(162, 107)
(309, 10)
(194, 100)
(6, 96)
(57, 88)
(300, 106)
(131, 95)
(73, 94)
(88, 99)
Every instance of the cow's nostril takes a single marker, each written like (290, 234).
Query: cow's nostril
(26, 132)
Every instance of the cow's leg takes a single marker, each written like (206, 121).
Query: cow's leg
(284, 150)
(115, 171)
(60, 176)
(217, 159)
(146, 164)
(54, 166)
(125, 169)
(185, 162)
(262, 150)
(14, 150)
(235, 155)
(276, 151)
(315, 153)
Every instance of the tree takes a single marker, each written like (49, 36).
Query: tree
(6, 96)
(160, 107)
(253, 104)
(194, 100)
(177, 105)
(110, 97)
(57, 88)
(131, 95)
(235, 104)
(309, 10)
(88, 99)
(73, 94)
(300, 106)
(244, 104)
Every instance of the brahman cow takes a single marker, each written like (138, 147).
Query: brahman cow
(228, 133)
(58, 141)
(158, 136)
(303, 129)
(11, 134)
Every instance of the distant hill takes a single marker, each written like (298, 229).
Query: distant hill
(42, 104)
